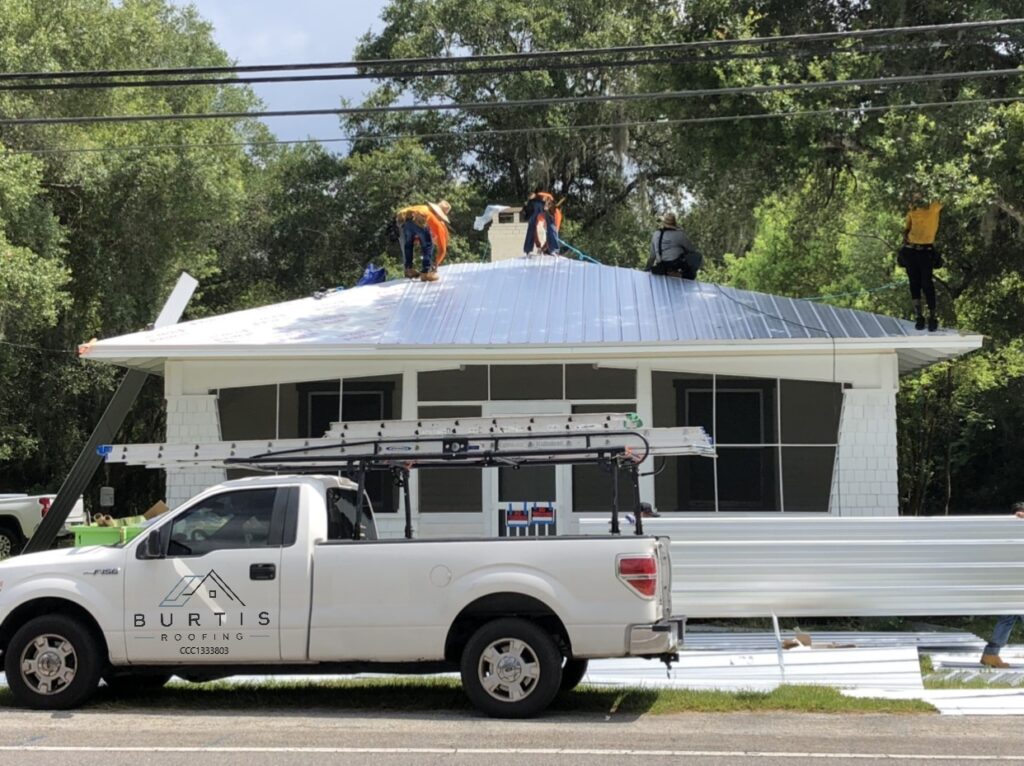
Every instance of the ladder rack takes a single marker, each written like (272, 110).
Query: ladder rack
(616, 440)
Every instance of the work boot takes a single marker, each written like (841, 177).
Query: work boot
(933, 324)
(918, 323)
(429, 276)
(411, 273)
(993, 661)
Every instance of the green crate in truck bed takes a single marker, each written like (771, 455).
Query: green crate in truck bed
(92, 535)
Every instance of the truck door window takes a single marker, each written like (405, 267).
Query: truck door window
(341, 516)
(240, 519)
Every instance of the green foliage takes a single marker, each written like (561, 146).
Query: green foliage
(810, 205)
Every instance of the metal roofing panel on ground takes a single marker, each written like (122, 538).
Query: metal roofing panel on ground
(527, 302)
(894, 668)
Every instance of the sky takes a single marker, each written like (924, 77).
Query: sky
(296, 31)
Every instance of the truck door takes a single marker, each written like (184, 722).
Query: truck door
(215, 595)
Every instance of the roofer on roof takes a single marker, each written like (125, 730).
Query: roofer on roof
(542, 210)
(428, 225)
(672, 252)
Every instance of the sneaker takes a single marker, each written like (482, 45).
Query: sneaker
(429, 276)
(993, 661)
(918, 323)
(933, 324)
(411, 274)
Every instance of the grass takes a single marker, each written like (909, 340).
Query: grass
(419, 695)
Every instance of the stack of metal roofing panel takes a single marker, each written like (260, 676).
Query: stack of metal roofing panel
(856, 566)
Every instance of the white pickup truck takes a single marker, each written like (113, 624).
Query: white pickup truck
(266, 575)
(21, 514)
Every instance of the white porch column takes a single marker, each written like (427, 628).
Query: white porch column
(411, 411)
(864, 482)
(645, 409)
(191, 419)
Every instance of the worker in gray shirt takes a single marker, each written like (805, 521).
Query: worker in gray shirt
(672, 252)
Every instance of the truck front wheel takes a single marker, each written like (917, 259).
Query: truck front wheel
(511, 668)
(10, 542)
(52, 663)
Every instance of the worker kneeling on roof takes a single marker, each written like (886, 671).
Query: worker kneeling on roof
(428, 225)
(672, 252)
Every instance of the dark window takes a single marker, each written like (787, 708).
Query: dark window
(592, 484)
(584, 381)
(468, 384)
(526, 381)
(369, 399)
(316, 408)
(526, 484)
(807, 478)
(745, 411)
(748, 479)
(450, 490)
(810, 413)
(224, 522)
(248, 412)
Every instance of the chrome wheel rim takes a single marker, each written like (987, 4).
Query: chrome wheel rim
(6, 546)
(49, 664)
(509, 670)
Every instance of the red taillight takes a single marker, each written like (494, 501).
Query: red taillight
(44, 506)
(640, 573)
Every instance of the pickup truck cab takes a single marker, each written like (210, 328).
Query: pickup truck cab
(20, 515)
(277, 574)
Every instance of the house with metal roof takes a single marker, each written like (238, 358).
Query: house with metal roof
(799, 396)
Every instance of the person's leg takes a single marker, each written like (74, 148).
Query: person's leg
(1001, 634)
(408, 237)
(928, 287)
(554, 245)
(427, 248)
(914, 276)
(531, 236)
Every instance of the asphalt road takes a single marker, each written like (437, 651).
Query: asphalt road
(266, 738)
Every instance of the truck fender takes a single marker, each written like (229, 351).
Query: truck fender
(24, 599)
(495, 595)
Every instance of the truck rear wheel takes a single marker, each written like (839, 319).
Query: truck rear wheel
(511, 668)
(572, 673)
(10, 542)
(52, 663)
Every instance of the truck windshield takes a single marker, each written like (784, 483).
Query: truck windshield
(341, 516)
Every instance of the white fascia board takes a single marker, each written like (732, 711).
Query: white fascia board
(945, 344)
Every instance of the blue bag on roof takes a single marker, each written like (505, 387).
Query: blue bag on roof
(372, 275)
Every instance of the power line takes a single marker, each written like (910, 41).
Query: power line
(521, 103)
(530, 55)
(107, 84)
(855, 110)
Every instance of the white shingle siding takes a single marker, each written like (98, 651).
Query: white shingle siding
(191, 419)
(864, 482)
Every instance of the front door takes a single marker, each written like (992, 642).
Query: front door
(215, 597)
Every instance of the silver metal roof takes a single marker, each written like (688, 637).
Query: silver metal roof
(526, 303)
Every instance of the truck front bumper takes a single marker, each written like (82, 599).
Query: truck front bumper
(657, 638)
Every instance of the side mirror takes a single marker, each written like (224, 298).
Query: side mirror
(152, 547)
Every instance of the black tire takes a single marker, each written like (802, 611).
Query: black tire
(572, 673)
(126, 684)
(10, 542)
(53, 663)
(529, 678)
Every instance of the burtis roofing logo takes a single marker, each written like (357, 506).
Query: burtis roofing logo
(190, 585)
